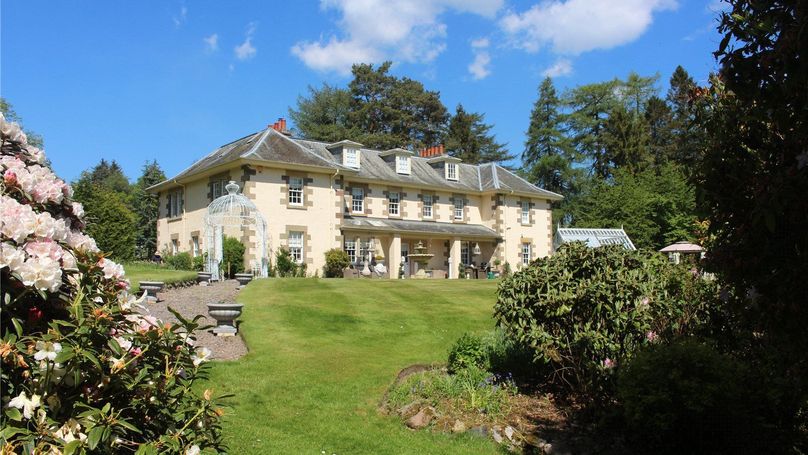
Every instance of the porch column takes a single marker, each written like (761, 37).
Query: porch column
(394, 255)
(454, 258)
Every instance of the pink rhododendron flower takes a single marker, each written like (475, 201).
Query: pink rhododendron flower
(17, 221)
(44, 247)
(10, 178)
(11, 256)
(608, 363)
(112, 270)
(651, 336)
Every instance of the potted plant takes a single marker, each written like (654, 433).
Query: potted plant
(497, 270)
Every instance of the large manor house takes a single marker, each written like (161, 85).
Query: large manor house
(382, 204)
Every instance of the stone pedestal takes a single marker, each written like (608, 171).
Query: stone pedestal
(225, 315)
(151, 288)
(203, 278)
(243, 279)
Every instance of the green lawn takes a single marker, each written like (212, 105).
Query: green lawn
(141, 271)
(322, 353)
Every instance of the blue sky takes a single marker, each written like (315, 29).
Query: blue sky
(172, 80)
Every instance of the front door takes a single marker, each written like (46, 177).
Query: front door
(405, 258)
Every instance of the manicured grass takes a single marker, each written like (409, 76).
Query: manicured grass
(322, 353)
(143, 271)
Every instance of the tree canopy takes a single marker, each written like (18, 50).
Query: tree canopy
(469, 138)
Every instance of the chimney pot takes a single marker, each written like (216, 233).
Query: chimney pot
(283, 124)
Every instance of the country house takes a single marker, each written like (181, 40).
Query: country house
(372, 203)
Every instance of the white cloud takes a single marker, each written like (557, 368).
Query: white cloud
(561, 67)
(572, 27)
(375, 30)
(480, 43)
(211, 42)
(246, 50)
(479, 68)
(179, 20)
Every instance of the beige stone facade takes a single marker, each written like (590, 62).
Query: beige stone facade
(316, 203)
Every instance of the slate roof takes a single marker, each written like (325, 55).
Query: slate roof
(593, 237)
(419, 227)
(272, 146)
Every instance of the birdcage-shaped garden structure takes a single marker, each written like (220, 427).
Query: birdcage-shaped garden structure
(234, 212)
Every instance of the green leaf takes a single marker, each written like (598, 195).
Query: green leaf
(116, 348)
(71, 447)
(94, 437)
(14, 414)
(65, 355)
(146, 449)
(17, 326)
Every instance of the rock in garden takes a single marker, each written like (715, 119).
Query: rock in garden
(458, 427)
(497, 437)
(509, 433)
(480, 431)
(422, 419)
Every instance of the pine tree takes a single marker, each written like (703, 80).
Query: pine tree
(548, 157)
(469, 138)
(688, 134)
(146, 208)
(106, 195)
(323, 115)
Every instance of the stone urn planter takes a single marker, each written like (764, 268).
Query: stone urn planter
(203, 278)
(151, 288)
(225, 315)
(243, 279)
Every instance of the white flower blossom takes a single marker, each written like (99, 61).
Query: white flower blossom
(70, 432)
(201, 355)
(11, 256)
(112, 270)
(28, 406)
(193, 450)
(47, 350)
(42, 273)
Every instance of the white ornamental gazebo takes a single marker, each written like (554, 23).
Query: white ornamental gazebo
(234, 210)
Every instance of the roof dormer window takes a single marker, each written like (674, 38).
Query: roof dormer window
(347, 153)
(451, 171)
(350, 157)
(402, 164)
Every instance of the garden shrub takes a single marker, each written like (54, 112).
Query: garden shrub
(336, 260)
(686, 398)
(180, 261)
(469, 389)
(466, 352)
(285, 265)
(84, 368)
(584, 311)
(232, 256)
(199, 262)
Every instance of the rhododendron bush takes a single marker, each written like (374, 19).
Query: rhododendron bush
(85, 368)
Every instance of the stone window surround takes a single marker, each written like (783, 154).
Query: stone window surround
(367, 192)
(531, 212)
(435, 213)
(465, 208)
(308, 190)
(526, 241)
(308, 258)
(402, 213)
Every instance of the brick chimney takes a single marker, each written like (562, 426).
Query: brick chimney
(280, 126)
(429, 152)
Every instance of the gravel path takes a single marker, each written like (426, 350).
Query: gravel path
(192, 301)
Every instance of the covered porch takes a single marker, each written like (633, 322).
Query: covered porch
(420, 249)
